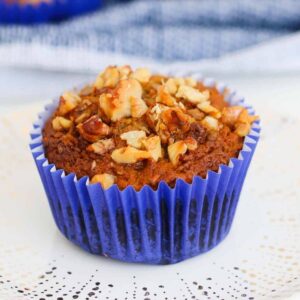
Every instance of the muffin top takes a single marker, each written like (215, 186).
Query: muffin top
(134, 128)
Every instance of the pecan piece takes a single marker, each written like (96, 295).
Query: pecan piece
(176, 150)
(129, 155)
(106, 180)
(61, 123)
(93, 129)
(102, 146)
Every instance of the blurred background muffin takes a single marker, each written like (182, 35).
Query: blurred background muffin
(40, 11)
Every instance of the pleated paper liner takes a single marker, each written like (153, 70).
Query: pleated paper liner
(162, 226)
(55, 10)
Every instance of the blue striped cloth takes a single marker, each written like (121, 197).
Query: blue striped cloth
(168, 30)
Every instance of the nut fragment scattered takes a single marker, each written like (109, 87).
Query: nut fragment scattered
(171, 86)
(192, 95)
(106, 180)
(133, 117)
(231, 114)
(129, 155)
(176, 150)
(68, 102)
(133, 138)
(61, 123)
(209, 109)
(153, 146)
(117, 105)
(238, 118)
(93, 129)
(242, 129)
(138, 107)
(165, 98)
(210, 123)
(109, 78)
(102, 146)
(191, 143)
(142, 75)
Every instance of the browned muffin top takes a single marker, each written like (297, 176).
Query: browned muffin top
(133, 128)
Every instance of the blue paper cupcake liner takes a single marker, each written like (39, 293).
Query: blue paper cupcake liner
(162, 226)
(57, 10)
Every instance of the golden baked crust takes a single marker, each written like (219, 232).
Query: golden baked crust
(133, 128)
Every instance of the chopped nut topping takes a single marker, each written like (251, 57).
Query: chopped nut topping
(165, 98)
(142, 75)
(93, 129)
(109, 78)
(209, 109)
(133, 138)
(153, 146)
(60, 123)
(191, 143)
(210, 123)
(106, 180)
(129, 155)
(132, 117)
(138, 107)
(124, 72)
(191, 94)
(196, 114)
(231, 114)
(242, 129)
(171, 86)
(174, 118)
(118, 106)
(239, 118)
(102, 146)
(68, 102)
(176, 150)
(191, 81)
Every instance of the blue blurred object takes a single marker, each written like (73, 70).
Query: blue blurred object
(57, 10)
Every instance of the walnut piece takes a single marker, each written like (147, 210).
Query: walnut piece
(242, 129)
(133, 138)
(93, 129)
(153, 146)
(108, 78)
(231, 114)
(210, 123)
(117, 105)
(176, 150)
(102, 146)
(138, 107)
(129, 155)
(192, 95)
(141, 74)
(196, 114)
(164, 97)
(68, 101)
(191, 143)
(61, 123)
(238, 118)
(106, 180)
(175, 118)
(209, 109)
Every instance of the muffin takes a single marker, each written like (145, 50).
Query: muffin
(40, 11)
(143, 167)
